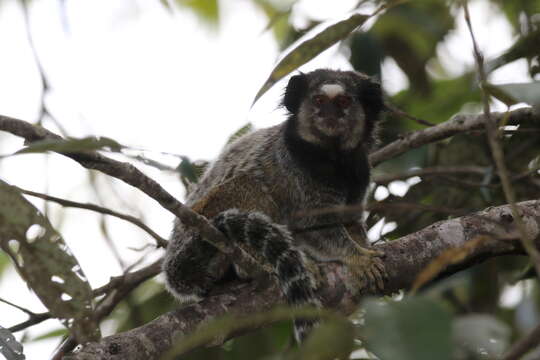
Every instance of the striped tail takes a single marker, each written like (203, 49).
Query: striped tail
(274, 244)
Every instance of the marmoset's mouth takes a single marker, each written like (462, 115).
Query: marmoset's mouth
(331, 126)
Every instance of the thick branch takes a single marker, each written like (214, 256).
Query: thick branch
(405, 259)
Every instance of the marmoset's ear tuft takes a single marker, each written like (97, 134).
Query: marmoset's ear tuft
(295, 92)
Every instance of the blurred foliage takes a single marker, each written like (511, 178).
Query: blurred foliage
(527, 46)
(366, 53)
(262, 344)
(51, 334)
(414, 329)
(147, 302)
(512, 94)
(515, 9)
(412, 48)
(278, 17)
(240, 132)
(465, 316)
(207, 10)
(333, 338)
(190, 172)
(4, 262)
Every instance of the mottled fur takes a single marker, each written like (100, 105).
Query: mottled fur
(260, 183)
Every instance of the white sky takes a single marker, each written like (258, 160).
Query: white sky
(159, 82)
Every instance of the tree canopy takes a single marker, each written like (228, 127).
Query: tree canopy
(453, 202)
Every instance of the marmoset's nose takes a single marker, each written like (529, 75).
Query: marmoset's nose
(330, 111)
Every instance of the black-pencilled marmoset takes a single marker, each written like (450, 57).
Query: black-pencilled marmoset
(256, 189)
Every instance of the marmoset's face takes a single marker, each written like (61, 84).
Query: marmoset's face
(331, 113)
(330, 107)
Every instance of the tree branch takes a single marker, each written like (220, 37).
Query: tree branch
(459, 123)
(385, 179)
(405, 259)
(160, 242)
(125, 172)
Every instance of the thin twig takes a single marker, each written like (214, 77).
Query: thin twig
(45, 87)
(497, 152)
(103, 226)
(522, 346)
(357, 210)
(413, 206)
(435, 170)
(26, 311)
(64, 348)
(33, 320)
(161, 242)
(117, 289)
(406, 115)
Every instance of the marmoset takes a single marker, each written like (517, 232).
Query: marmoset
(266, 189)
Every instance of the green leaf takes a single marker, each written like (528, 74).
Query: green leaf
(240, 132)
(264, 343)
(47, 265)
(147, 302)
(4, 262)
(500, 94)
(410, 34)
(480, 336)
(190, 172)
(419, 24)
(90, 143)
(516, 10)
(9, 347)
(367, 53)
(527, 46)
(166, 5)
(228, 324)
(57, 333)
(332, 339)
(447, 97)
(207, 10)
(308, 49)
(412, 329)
(278, 14)
(511, 94)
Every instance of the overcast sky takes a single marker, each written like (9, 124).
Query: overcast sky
(130, 71)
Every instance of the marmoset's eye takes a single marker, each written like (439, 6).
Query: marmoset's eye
(320, 100)
(343, 101)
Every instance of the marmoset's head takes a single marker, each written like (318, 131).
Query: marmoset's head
(331, 107)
